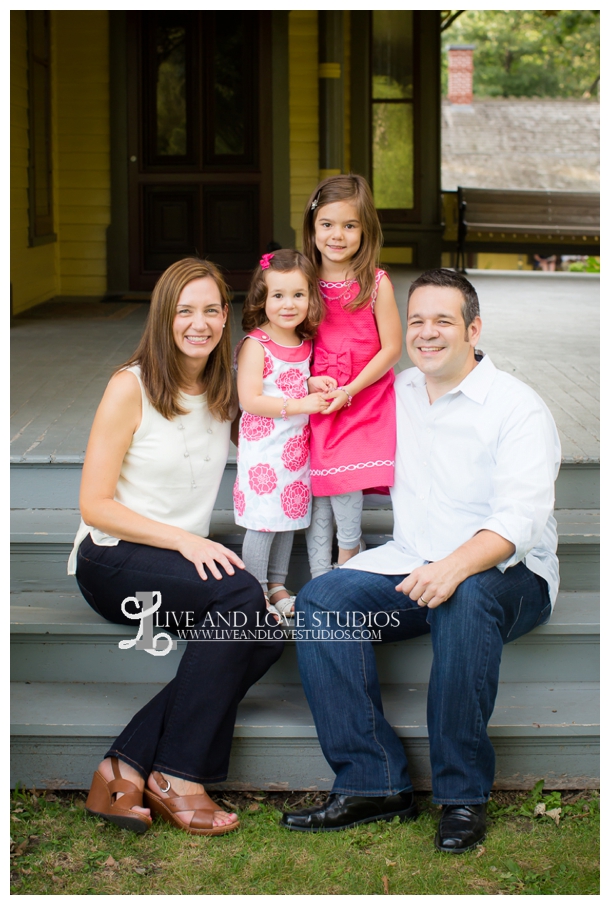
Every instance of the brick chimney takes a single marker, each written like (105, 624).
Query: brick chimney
(460, 73)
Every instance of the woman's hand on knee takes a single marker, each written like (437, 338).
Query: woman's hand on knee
(204, 552)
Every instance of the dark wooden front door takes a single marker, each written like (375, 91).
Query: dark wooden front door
(199, 141)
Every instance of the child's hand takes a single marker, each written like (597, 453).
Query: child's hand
(337, 399)
(321, 384)
(313, 404)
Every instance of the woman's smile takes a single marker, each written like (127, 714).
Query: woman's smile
(199, 318)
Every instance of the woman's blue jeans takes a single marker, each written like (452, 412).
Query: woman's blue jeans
(186, 730)
(468, 632)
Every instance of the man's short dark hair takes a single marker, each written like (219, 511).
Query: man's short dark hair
(449, 278)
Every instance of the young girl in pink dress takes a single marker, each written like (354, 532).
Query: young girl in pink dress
(359, 340)
(272, 494)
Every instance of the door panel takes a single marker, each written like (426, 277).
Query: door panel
(170, 215)
(231, 223)
(200, 155)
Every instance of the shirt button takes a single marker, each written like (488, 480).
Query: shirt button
(186, 455)
(181, 427)
(207, 458)
(209, 430)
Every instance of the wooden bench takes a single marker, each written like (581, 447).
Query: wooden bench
(537, 221)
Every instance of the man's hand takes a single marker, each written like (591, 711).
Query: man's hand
(433, 584)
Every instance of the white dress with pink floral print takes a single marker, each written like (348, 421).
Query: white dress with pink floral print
(273, 490)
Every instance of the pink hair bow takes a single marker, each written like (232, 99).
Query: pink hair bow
(264, 261)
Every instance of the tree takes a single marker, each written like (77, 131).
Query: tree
(529, 53)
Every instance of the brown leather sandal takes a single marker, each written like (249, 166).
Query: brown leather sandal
(202, 821)
(102, 801)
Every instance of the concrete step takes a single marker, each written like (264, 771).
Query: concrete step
(40, 483)
(41, 540)
(539, 730)
(55, 638)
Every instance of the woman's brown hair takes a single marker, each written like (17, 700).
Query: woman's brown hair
(157, 354)
(356, 190)
(283, 261)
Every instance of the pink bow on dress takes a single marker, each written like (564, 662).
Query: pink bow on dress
(335, 364)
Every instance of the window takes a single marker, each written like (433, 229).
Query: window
(200, 89)
(392, 97)
(40, 175)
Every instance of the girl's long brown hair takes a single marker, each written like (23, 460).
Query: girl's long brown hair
(284, 260)
(157, 354)
(355, 189)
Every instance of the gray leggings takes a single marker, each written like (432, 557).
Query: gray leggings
(266, 555)
(347, 510)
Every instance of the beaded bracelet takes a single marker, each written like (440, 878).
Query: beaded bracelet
(349, 398)
(284, 413)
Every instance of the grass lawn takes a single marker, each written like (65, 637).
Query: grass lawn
(58, 849)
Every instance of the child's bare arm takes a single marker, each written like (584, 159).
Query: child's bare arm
(390, 335)
(250, 363)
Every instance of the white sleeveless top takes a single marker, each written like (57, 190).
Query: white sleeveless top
(172, 470)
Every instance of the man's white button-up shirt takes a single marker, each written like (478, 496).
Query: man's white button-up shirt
(483, 456)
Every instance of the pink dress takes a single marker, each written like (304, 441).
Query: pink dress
(272, 491)
(352, 449)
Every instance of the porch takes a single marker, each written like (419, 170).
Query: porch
(543, 328)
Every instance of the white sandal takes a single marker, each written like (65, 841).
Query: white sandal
(272, 609)
(285, 606)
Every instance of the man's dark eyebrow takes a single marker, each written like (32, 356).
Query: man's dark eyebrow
(447, 316)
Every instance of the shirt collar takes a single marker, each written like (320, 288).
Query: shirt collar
(475, 385)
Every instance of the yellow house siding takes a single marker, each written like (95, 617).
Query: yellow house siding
(303, 84)
(83, 149)
(33, 270)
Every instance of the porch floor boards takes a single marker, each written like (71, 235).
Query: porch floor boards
(543, 328)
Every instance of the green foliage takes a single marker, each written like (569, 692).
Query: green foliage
(530, 806)
(591, 265)
(529, 53)
(393, 155)
(58, 849)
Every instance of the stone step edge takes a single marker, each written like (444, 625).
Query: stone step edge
(94, 626)
(575, 526)
(280, 727)
(92, 633)
(76, 460)
(44, 632)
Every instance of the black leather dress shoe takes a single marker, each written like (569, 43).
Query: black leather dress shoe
(343, 811)
(461, 827)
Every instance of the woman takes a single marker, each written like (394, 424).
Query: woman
(154, 462)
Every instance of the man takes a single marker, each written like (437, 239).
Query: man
(473, 561)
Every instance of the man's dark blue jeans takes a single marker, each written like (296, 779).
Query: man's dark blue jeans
(468, 632)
